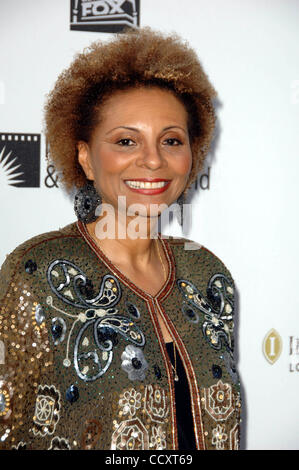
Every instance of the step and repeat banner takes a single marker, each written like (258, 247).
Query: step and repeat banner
(244, 202)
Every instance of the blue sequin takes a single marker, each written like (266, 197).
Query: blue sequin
(216, 371)
(30, 266)
(157, 371)
(72, 394)
(56, 331)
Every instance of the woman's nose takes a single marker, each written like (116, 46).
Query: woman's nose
(151, 157)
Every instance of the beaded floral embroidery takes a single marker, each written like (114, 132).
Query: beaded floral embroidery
(134, 363)
(219, 401)
(219, 437)
(222, 404)
(217, 307)
(97, 316)
(47, 409)
(145, 411)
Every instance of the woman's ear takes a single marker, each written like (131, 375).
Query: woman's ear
(85, 159)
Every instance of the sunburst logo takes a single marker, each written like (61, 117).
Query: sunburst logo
(9, 169)
(20, 160)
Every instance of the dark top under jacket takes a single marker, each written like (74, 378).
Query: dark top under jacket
(185, 426)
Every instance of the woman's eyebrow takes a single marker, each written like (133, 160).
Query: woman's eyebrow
(123, 127)
(137, 130)
(175, 127)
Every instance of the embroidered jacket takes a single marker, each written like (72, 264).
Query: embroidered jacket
(83, 363)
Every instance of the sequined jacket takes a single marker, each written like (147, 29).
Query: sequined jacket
(83, 363)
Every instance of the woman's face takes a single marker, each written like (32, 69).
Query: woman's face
(140, 149)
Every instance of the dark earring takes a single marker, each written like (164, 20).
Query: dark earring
(180, 201)
(87, 199)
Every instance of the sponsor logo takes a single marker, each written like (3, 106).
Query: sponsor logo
(272, 346)
(109, 16)
(20, 160)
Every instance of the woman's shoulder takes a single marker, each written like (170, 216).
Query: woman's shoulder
(21, 252)
(186, 243)
(191, 251)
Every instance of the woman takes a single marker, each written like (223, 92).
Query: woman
(112, 340)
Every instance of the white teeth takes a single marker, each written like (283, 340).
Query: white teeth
(146, 184)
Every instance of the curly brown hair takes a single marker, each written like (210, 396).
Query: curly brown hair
(141, 57)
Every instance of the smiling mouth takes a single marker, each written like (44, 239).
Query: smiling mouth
(148, 186)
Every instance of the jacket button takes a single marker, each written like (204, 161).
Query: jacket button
(216, 371)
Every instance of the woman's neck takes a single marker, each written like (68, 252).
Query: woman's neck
(124, 247)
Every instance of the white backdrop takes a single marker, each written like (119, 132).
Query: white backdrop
(248, 216)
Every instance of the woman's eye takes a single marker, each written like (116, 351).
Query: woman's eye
(173, 141)
(125, 142)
